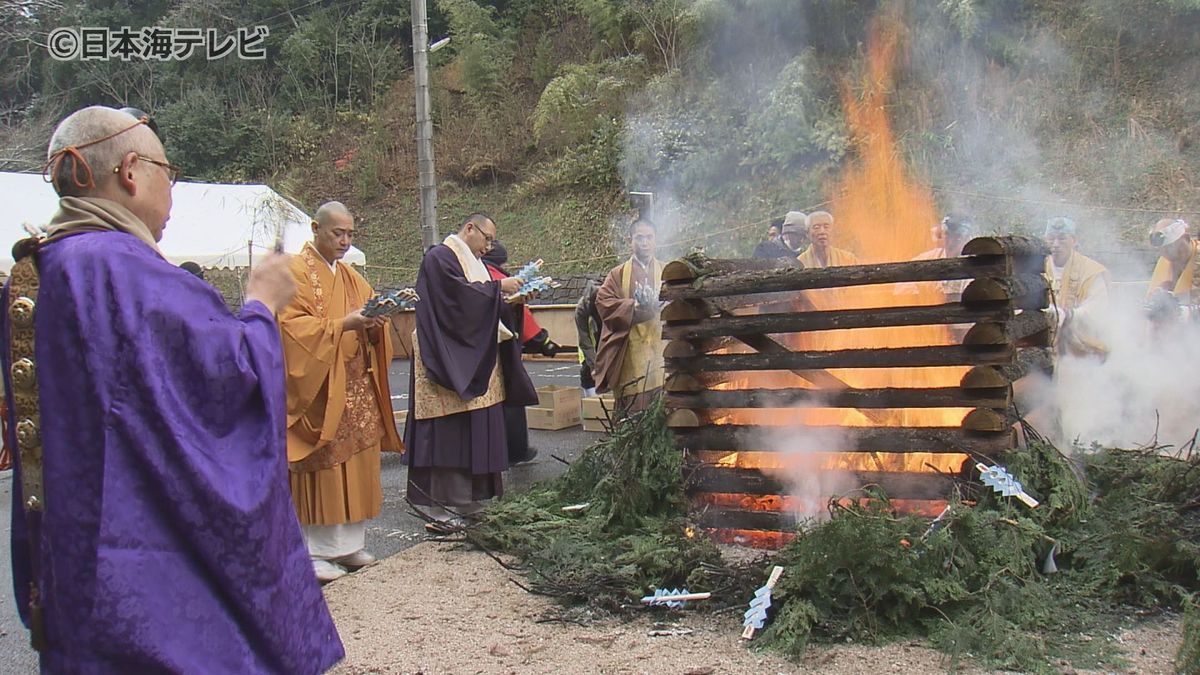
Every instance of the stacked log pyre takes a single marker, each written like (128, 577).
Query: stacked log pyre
(755, 307)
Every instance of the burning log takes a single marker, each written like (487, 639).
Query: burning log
(689, 382)
(895, 357)
(999, 397)
(694, 267)
(695, 324)
(680, 348)
(1030, 328)
(792, 279)
(753, 438)
(1028, 291)
(988, 419)
(702, 478)
(1025, 254)
(1027, 361)
(738, 519)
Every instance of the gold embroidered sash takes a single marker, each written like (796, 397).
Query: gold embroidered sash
(431, 399)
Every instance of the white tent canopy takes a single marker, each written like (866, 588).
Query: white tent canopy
(212, 224)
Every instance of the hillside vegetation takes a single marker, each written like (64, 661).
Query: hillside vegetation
(731, 111)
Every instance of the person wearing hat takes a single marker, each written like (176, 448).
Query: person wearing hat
(1175, 271)
(794, 233)
(1078, 289)
(952, 232)
(820, 253)
(773, 246)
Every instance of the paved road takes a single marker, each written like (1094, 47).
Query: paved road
(396, 528)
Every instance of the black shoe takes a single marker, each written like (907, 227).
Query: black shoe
(529, 457)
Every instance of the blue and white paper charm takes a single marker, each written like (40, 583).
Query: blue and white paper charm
(756, 616)
(1002, 482)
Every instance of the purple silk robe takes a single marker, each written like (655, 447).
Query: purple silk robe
(456, 328)
(168, 541)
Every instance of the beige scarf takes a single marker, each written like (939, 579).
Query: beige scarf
(476, 273)
(93, 214)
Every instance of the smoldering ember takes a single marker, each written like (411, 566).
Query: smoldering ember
(679, 336)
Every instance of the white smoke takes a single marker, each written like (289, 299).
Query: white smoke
(1147, 389)
(803, 454)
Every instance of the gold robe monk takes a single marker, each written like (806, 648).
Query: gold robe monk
(1079, 290)
(820, 253)
(1176, 268)
(629, 361)
(339, 402)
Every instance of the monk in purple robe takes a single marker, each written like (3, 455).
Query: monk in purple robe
(153, 529)
(466, 364)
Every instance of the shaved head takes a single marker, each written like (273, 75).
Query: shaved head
(333, 230)
(478, 219)
(330, 213)
(87, 126)
(478, 230)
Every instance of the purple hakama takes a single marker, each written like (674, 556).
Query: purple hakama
(458, 459)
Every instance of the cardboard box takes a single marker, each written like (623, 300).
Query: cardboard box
(557, 397)
(595, 411)
(552, 419)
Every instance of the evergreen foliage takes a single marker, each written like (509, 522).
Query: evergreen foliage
(1119, 526)
(628, 541)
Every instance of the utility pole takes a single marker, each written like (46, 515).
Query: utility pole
(427, 178)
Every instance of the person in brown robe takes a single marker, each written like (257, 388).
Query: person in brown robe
(629, 361)
(339, 401)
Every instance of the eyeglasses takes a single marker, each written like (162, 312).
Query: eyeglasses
(487, 238)
(173, 172)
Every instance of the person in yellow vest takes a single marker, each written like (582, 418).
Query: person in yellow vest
(820, 253)
(629, 361)
(339, 401)
(1175, 271)
(1079, 290)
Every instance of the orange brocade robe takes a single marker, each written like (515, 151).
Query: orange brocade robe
(339, 401)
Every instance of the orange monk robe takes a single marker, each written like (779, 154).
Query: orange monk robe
(1081, 289)
(339, 401)
(1180, 282)
(836, 257)
(629, 360)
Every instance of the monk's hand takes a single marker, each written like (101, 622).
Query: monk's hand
(271, 282)
(510, 285)
(357, 321)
